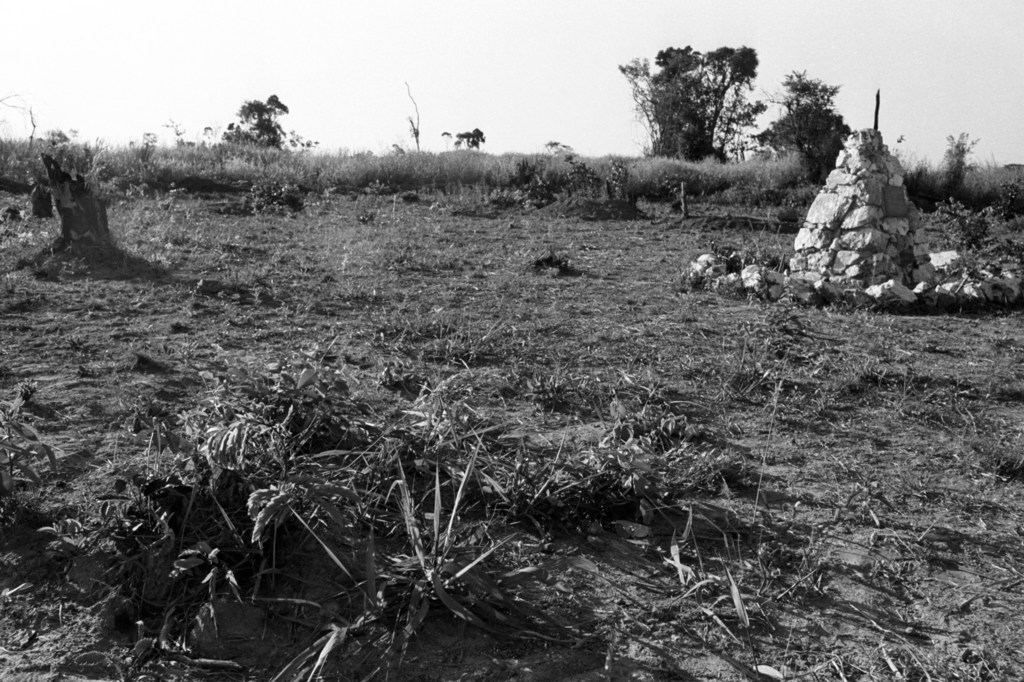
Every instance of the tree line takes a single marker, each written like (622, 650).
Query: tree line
(696, 105)
(693, 105)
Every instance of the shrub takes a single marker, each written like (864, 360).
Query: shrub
(955, 163)
(583, 180)
(1011, 200)
(963, 228)
(270, 196)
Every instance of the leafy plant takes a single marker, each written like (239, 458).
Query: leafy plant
(20, 445)
(582, 179)
(618, 182)
(253, 419)
(556, 391)
(955, 164)
(269, 196)
(963, 228)
(1011, 200)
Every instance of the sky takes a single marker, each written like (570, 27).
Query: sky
(526, 72)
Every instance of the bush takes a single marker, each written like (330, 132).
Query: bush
(269, 196)
(962, 228)
(955, 163)
(1011, 200)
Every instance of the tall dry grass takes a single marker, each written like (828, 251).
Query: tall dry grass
(757, 181)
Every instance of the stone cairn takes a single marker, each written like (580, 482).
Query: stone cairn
(860, 244)
(861, 228)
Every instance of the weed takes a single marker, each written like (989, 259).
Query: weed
(955, 163)
(556, 264)
(618, 182)
(963, 228)
(448, 338)
(20, 444)
(270, 196)
(557, 391)
(582, 179)
(1011, 200)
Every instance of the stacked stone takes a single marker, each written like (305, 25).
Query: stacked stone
(861, 229)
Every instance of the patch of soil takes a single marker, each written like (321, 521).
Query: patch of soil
(593, 209)
(855, 515)
(195, 184)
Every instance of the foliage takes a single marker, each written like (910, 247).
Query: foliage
(582, 179)
(955, 164)
(696, 105)
(472, 140)
(258, 125)
(539, 175)
(809, 124)
(618, 184)
(271, 196)
(20, 445)
(963, 228)
(1011, 200)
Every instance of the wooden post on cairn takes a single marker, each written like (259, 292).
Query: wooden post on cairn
(682, 200)
(83, 217)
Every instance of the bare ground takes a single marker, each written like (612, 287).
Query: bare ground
(860, 518)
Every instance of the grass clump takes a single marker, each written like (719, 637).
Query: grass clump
(273, 458)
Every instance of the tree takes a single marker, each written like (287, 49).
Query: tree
(258, 124)
(809, 124)
(696, 104)
(472, 139)
(414, 126)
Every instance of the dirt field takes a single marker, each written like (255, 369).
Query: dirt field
(712, 484)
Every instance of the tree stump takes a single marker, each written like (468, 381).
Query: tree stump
(83, 217)
(42, 201)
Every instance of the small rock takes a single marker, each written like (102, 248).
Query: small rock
(828, 290)
(810, 238)
(863, 239)
(707, 265)
(890, 293)
(924, 273)
(862, 216)
(973, 292)
(857, 297)
(927, 294)
(803, 291)
(752, 276)
(1010, 287)
(828, 209)
(944, 260)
